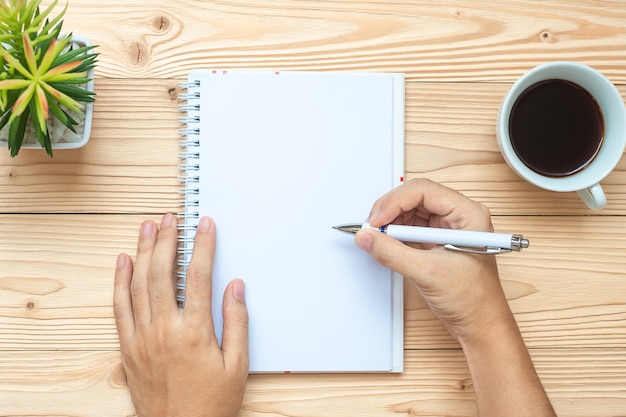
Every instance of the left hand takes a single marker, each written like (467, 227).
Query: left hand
(171, 357)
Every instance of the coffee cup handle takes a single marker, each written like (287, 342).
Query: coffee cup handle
(593, 197)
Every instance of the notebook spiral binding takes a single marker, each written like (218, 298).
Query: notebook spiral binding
(189, 178)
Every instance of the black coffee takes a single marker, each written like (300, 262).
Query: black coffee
(556, 128)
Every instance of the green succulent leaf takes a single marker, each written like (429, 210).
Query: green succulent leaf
(11, 98)
(29, 54)
(64, 99)
(80, 94)
(5, 119)
(41, 108)
(81, 53)
(14, 63)
(43, 136)
(22, 102)
(63, 116)
(16, 133)
(48, 27)
(14, 84)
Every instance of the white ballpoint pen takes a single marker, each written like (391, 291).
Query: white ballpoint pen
(486, 243)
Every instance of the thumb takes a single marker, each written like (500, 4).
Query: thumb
(391, 253)
(235, 332)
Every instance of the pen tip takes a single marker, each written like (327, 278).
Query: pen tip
(348, 228)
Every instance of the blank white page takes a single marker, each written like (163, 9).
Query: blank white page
(283, 158)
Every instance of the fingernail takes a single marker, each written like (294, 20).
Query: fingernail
(364, 240)
(121, 261)
(205, 224)
(239, 291)
(167, 220)
(147, 229)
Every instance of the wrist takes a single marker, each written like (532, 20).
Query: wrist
(499, 363)
(485, 319)
(497, 333)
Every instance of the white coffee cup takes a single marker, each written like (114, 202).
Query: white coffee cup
(585, 182)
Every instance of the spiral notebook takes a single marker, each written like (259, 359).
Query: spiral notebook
(277, 159)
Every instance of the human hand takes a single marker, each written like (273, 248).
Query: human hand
(462, 289)
(173, 362)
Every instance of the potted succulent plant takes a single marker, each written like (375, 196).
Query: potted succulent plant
(46, 79)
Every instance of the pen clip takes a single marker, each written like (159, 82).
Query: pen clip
(489, 250)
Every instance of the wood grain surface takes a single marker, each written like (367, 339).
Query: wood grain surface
(435, 383)
(428, 40)
(64, 220)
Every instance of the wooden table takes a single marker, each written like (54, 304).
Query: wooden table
(63, 221)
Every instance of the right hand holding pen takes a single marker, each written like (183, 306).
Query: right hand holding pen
(462, 289)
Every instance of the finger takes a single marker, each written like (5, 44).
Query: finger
(393, 254)
(122, 303)
(235, 332)
(139, 286)
(198, 290)
(418, 192)
(161, 275)
(426, 198)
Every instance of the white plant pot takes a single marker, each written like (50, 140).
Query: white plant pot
(84, 125)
